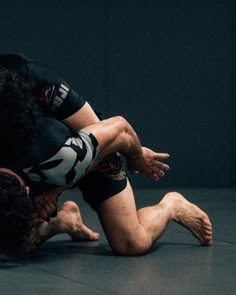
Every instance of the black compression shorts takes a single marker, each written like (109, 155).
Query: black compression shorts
(105, 181)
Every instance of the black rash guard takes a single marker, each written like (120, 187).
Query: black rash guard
(55, 94)
(59, 156)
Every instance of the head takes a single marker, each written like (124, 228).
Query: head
(16, 216)
(20, 112)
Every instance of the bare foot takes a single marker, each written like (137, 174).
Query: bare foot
(70, 221)
(191, 217)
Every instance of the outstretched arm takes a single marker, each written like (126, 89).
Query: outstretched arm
(116, 134)
(122, 138)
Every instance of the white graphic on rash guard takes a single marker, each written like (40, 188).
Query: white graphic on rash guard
(69, 164)
(61, 96)
(54, 97)
(48, 94)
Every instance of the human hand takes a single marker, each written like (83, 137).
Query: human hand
(149, 163)
(46, 204)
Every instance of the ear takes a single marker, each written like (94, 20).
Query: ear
(27, 188)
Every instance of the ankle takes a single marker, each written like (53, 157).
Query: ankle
(171, 206)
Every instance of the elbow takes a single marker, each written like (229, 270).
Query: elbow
(125, 136)
(122, 125)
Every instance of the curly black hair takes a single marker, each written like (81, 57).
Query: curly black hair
(16, 219)
(20, 112)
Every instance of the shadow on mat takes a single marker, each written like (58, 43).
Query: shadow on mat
(57, 250)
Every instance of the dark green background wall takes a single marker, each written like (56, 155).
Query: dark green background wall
(167, 66)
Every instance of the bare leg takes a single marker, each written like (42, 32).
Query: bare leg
(68, 221)
(176, 208)
(132, 232)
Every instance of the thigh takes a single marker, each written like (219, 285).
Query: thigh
(106, 180)
(118, 216)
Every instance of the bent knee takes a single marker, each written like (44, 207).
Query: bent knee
(131, 248)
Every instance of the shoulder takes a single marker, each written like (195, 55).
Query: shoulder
(51, 136)
(13, 60)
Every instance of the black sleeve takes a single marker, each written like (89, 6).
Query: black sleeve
(55, 94)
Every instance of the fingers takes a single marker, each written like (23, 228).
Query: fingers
(150, 164)
(156, 158)
(37, 218)
(156, 170)
(45, 207)
(161, 156)
(159, 166)
(46, 204)
(156, 175)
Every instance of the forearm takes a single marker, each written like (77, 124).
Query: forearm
(130, 145)
(121, 136)
(116, 134)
